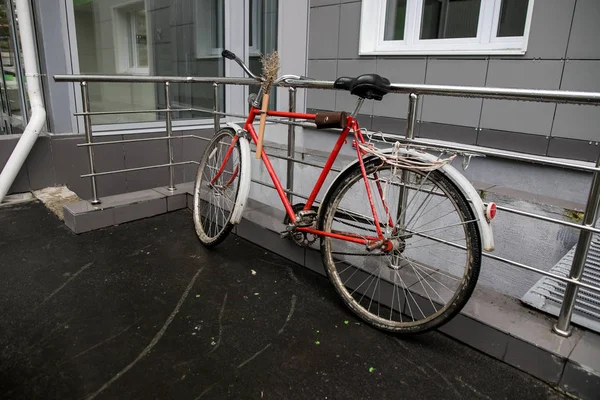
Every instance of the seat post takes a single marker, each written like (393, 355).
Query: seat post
(359, 104)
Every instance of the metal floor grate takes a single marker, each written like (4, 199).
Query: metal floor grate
(547, 294)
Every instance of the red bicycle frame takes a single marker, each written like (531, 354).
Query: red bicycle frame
(352, 125)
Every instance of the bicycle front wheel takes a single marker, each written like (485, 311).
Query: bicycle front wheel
(217, 186)
(431, 271)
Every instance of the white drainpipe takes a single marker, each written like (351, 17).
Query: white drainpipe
(38, 113)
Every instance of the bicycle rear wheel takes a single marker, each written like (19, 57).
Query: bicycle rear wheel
(434, 265)
(216, 189)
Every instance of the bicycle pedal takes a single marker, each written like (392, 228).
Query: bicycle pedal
(305, 218)
(288, 231)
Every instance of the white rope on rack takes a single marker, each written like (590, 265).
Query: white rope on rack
(400, 160)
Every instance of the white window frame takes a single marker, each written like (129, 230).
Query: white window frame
(203, 51)
(372, 30)
(122, 33)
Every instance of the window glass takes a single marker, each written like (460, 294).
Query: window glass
(174, 38)
(513, 14)
(14, 104)
(395, 16)
(447, 19)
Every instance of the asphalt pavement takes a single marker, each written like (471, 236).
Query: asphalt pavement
(143, 311)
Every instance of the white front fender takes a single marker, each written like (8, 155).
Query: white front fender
(473, 199)
(245, 172)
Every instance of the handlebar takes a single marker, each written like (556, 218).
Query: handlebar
(231, 56)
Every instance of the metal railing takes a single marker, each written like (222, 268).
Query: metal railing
(573, 281)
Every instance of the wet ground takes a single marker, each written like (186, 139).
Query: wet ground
(142, 310)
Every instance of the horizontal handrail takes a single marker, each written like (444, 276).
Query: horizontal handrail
(151, 139)
(155, 79)
(536, 95)
(121, 171)
(157, 110)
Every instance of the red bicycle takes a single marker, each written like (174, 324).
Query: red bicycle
(401, 230)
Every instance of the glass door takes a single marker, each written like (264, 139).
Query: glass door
(13, 100)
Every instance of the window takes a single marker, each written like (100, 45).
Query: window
(175, 38)
(209, 28)
(445, 26)
(131, 39)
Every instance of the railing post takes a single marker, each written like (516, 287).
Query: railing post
(217, 117)
(562, 326)
(87, 122)
(291, 146)
(169, 127)
(411, 118)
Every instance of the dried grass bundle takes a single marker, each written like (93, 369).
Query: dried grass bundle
(270, 68)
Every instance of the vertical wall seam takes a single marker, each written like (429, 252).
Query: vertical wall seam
(421, 103)
(485, 82)
(562, 74)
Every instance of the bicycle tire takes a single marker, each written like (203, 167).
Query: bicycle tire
(335, 210)
(214, 224)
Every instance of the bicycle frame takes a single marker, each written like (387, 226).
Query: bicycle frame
(352, 125)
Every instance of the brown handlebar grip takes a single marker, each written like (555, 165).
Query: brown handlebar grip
(331, 120)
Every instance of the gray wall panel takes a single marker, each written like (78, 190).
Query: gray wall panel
(143, 154)
(585, 32)
(574, 121)
(70, 162)
(323, 32)
(390, 125)
(550, 27)
(521, 142)
(451, 133)
(319, 3)
(7, 145)
(455, 111)
(404, 70)
(573, 149)
(349, 30)
(516, 116)
(40, 165)
(109, 157)
(321, 99)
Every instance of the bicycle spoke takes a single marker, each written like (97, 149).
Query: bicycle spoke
(412, 247)
(443, 228)
(436, 218)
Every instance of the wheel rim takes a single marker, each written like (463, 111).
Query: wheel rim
(215, 198)
(423, 278)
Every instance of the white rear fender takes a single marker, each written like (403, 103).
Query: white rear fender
(473, 199)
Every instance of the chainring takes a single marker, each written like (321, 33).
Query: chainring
(302, 239)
